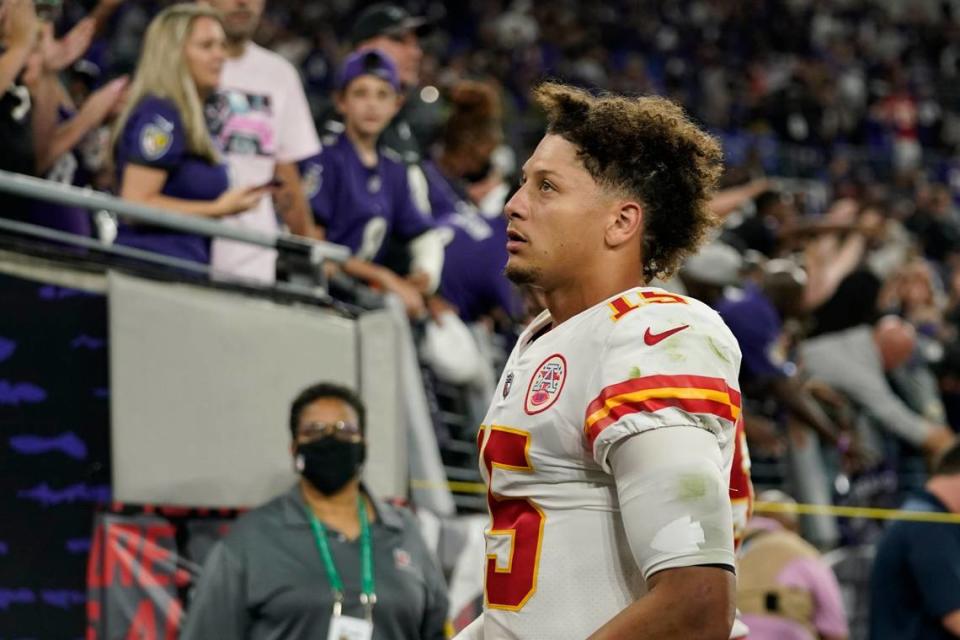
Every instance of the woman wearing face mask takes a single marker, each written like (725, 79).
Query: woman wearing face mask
(164, 155)
(325, 559)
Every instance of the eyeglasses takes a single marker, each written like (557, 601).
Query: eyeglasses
(345, 431)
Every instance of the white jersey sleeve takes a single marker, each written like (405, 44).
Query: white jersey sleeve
(671, 362)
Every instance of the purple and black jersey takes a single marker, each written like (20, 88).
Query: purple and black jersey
(757, 326)
(154, 137)
(68, 169)
(16, 132)
(361, 206)
(16, 118)
(475, 253)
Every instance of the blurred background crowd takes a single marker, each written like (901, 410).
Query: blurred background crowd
(837, 263)
(823, 90)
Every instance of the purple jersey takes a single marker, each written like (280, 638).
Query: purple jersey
(154, 137)
(475, 255)
(757, 326)
(16, 134)
(361, 206)
(68, 169)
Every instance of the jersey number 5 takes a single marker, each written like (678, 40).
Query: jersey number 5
(512, 586)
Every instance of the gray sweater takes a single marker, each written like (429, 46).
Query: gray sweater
(850, 362)
(265, 580)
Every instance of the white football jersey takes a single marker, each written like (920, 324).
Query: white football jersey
(558, 562)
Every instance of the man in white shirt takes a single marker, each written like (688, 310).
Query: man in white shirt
(262, 120)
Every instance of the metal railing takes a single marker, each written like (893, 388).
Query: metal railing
(302, 258)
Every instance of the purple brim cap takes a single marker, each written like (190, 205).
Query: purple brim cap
(369, 62)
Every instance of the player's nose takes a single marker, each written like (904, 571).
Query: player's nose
(516, 206)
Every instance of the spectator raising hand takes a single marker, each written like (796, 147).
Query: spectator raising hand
(20, 30)
(68, 49)
(51, 56)
(103, 11)
(48, 58)
(102, 103)
(109, 99)
(18, 34)
(20, 23)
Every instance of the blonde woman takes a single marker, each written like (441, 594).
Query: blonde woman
(163, 153)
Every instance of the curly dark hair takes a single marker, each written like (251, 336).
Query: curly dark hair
(647, 148)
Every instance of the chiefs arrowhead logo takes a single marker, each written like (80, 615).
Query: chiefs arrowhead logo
(546, 385)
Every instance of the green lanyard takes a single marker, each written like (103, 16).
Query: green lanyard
(368, 597)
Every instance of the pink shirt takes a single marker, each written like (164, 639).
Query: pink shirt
(814, 576)
(261, 118)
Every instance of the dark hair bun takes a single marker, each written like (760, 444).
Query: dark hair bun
(474, 100)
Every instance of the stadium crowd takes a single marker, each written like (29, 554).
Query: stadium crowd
(837, 264)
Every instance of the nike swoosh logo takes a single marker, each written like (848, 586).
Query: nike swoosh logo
(653, 338)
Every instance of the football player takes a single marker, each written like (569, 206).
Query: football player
(608, 445)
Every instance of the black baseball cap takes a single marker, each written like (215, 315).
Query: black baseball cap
(384, 19)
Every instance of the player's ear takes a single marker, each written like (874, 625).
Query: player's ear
(626, 223)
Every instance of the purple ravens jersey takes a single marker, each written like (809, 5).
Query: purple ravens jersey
(154, 136)
(758, 328)
(16, 132)
(475, 254)
(361, 206)
(68, 169)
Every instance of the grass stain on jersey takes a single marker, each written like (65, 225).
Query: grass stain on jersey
(674, 349)
(717, 350)
(692, 487)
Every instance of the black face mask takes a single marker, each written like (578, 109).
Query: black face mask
(328, 464)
